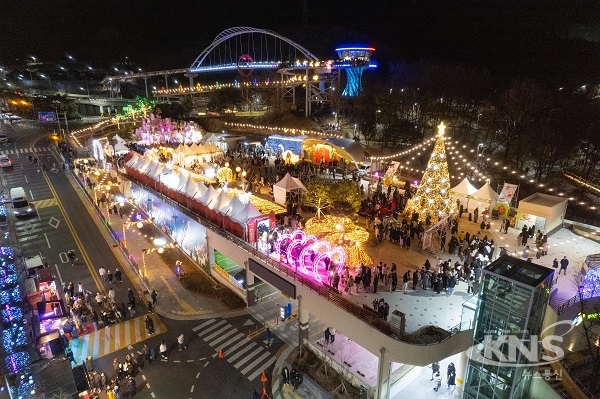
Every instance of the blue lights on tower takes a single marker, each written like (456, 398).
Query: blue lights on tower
(354, 59)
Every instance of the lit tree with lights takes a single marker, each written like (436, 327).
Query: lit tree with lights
(433, 195)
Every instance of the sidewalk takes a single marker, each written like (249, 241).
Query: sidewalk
(174, 301)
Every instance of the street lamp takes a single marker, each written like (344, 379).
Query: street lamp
(49, 80)
(144, 252)
(478, 116)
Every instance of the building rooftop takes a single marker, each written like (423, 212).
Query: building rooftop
(519, 270)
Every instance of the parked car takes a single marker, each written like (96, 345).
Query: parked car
(364, 169)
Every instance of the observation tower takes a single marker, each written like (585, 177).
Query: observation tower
(354, 59)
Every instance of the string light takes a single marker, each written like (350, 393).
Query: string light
(281, 130)
(540, 185)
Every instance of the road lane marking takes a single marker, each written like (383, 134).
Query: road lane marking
(181, 302)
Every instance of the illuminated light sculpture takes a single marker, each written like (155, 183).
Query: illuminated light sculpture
(433, 195)
(354, 60)
(309, 255)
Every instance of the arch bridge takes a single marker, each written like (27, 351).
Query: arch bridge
(245, 49)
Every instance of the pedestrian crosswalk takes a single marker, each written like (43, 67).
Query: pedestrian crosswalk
(113, 338)
(29, 150)
(247, 356)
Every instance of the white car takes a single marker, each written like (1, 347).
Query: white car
(5, 161)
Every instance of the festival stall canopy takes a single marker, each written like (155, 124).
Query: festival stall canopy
(286, 185)
(464, 188)
(247, 213)
(486, 193)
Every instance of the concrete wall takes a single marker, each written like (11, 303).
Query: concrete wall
(353, 327)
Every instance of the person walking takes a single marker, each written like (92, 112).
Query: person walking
(180, 342)
(435, 368)
(109, 277)
(332, 332)
(149, 325)
(131, 387)
(154, 296)
(118, 276)
(102, 273)
(95, 320)
(269, 336)
(146, 352)
(163, 349)
(285, 375)
(112, 296)
(415, 280)
(327, 335)
(564, 262)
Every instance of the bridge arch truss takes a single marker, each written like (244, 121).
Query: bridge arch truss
(266, 50)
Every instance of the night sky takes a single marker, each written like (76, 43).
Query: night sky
(545, 38)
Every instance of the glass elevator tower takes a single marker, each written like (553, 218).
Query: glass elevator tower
(512, 304)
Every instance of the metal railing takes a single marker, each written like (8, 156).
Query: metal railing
(323, 290)
(572, 301)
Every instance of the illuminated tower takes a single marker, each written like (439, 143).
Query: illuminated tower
(354, 60)
(433, 195)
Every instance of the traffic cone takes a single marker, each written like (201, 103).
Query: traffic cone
(264, 395)
(221, 355)
(263, 377)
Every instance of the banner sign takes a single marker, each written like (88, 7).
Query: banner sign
(508, 192)
(47, 117)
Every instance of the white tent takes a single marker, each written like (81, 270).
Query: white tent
(208, 196)
(152, 167)
(464, 188)
(190, 184)
(247, 213)
(171, 180)
(220, 200)
(286, 185)
(197, 191)
(158, 171)
(120, 148)
(487, 194)
(133, 160)
(144, 164)
(236, 205)
(210, 138)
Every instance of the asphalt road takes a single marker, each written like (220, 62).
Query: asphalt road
(62, 222)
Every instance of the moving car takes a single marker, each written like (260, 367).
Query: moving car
(5, 161)
(3, 138)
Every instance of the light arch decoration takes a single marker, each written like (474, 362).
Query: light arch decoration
(229, 57)
(310, 256)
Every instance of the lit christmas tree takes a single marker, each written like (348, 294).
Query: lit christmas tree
(433, 195)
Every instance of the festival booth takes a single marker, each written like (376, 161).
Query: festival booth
(486, 197)
(288, 148)
(545, 212)
(331, 149)
(213, 209)
(463, 190)
(116, 146)
(247, 218)
(194, 191)
(206, 199)
(288, 185)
